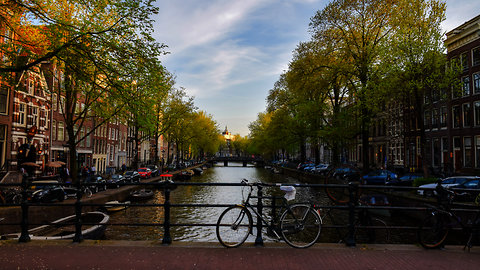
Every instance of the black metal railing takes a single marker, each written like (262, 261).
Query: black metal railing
(263, 202)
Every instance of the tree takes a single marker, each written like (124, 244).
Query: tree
(418, 61)
(99, 65)
(61, 25)
(359, 30)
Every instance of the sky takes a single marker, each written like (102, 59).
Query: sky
(228, 54)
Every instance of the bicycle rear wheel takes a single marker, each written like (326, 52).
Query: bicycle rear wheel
(374, 231)
(300, 226)
(233, 226)
(433, 231)
(340, 195)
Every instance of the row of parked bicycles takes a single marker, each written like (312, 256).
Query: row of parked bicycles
(300, 224)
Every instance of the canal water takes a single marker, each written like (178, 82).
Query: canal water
(234, 173)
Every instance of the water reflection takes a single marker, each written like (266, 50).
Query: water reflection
(234, 173)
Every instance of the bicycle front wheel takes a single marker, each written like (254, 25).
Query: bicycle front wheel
(233, 226)
(300, 226)
(433, 231)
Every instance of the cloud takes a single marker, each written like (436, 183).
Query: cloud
(191, 23)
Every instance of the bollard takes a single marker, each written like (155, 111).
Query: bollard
(24, 236)
(78, 215)
(167, 239)
(259, 240)
(352, 189)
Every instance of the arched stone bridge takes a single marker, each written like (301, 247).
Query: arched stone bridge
(257, 161)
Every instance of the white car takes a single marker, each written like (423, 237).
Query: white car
(447, 182)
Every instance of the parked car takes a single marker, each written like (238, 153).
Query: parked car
(348, 173)
(115, 180)
(321, 168)
(405, 180)
(448, 182)
(131, 176)
(154, 169)
(145, 173)
(379, 177)
(45, 191)
(98, 183)
(470, 191)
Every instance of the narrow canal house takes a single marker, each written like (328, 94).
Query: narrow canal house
(451, 121)
(458, 146)
(6, 103)
(31, 107)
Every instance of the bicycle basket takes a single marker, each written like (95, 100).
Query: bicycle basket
(290, 192)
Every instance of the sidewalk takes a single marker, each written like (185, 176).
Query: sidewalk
(152, 255)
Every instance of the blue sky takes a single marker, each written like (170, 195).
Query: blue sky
(229, 53)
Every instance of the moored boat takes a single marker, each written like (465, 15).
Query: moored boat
(115, 206)
(197, 171)
(141, 194)
(185, 175)
(64, 228)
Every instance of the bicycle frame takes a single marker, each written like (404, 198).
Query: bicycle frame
(270, 224)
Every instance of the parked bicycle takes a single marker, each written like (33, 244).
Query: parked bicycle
(342, 175)
(367, 228)
(9, 196)
(441, 220)
(299, 225)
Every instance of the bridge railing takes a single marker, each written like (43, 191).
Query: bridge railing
(349, 209)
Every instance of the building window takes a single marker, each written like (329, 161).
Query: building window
(62, 105)
(476, 56)
(20, 111)
(30, 86)
(467, 152)
(466, 115)
(443, 117)
(61, 131)
(88, 138)
(43, 118)
(33, 116)
(477, 151)
(435, 118)
(476, 108)
(464, 61)
(444, 149)
(54, 130)
(4, 100)
(54, 102)
(427, 119)
(466, 86)
(476, 83)
(82, 135)
(436, 152)
(456, 116)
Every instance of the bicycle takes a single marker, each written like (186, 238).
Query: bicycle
(9, 196)
(299, 225)
(434, 230)
(367, 229)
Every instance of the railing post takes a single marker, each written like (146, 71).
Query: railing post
(274, 210)
(259, 240)
(24, 237)
(167, 239)
(352, 189)
(78, 215)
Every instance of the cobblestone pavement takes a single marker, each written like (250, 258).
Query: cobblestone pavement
(154, 255)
